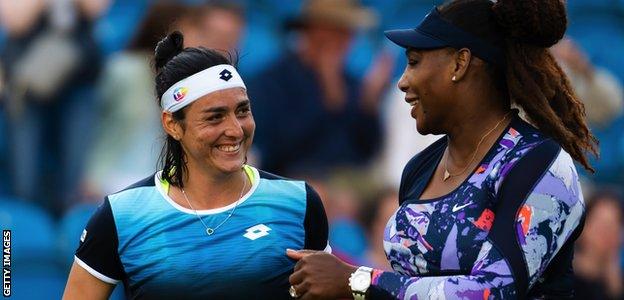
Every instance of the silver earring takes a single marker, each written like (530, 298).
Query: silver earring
(454, 79)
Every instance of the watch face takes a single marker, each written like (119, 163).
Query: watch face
(361, 281)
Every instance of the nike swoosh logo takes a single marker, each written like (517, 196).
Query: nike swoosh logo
(456, 208)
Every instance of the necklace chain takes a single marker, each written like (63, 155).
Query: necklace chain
(210, 230)
(448, 174)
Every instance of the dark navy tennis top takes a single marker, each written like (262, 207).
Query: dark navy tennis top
(506, 232)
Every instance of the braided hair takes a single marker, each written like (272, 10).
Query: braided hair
(531, 78)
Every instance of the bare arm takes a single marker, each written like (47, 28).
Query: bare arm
(82, 285)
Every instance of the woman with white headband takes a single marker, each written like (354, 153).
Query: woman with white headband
(208, 225)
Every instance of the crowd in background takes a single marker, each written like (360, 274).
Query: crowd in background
(79, 119)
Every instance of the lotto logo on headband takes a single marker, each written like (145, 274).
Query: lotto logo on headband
(179, 93)
(226, 75)
(187, 90)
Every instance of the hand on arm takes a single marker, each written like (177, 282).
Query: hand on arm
(320, 275)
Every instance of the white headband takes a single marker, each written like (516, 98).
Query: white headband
(213, 79)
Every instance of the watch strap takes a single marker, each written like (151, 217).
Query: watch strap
(359, 295)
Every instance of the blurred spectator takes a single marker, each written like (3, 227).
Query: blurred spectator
(126, 145)
(347, 236)
(312, 116)
(50, 61)
(128, 141)
(597, 257)
(375, 217)
(598, 88)
(222, 26)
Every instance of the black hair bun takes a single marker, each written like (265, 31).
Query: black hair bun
(537, 22)
(168, 48)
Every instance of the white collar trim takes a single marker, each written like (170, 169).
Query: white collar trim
(213, 211)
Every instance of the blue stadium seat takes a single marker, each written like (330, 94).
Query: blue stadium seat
(261, 43)
(348, 237)
(32, 230)
(404, 13)
(609, 165)
(593, 32)
(114, 30)
(276, 9)
(70, 228)
(361, 54)
(44, 284)
(581, 7)
(35, 272)
(34, 283)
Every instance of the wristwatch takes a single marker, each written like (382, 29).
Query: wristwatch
(360, 281)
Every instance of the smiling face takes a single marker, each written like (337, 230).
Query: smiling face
(426, 82)
(217, 131)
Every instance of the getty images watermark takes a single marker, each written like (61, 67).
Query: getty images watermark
(6, 263)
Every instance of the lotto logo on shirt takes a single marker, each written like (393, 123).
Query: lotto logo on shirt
(257, 232)
(179, 93)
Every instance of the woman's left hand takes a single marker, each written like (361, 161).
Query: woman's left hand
(320, 275)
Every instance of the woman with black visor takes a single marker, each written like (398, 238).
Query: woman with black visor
(492, 209)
